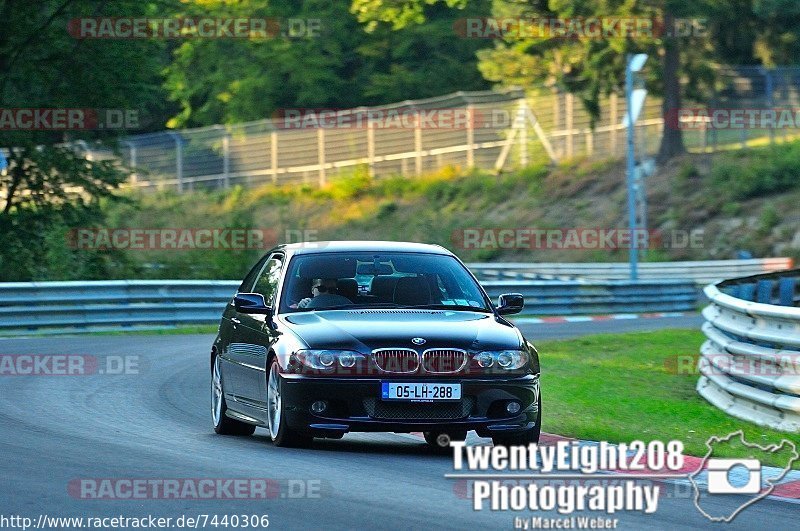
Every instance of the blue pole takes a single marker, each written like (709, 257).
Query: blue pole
(633, 252)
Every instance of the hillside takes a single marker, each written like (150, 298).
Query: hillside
(743, 200)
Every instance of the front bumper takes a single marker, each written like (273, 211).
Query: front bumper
(356, 405)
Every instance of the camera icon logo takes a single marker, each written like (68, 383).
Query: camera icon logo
(734, 476)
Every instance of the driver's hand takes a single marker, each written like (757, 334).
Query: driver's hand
(304, 303)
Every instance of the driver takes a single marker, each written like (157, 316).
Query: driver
(324, 294)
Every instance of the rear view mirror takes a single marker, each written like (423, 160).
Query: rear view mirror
(509, 303)
(251, 303)
(374, 270)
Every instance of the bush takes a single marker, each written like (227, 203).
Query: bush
(754, 173)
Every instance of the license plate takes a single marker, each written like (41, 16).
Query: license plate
(424, 392)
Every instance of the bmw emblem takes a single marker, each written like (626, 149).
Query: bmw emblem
(418, 341)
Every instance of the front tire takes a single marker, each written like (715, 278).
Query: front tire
(223, 424)
(281, 433)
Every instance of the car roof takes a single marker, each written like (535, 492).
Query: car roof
(356, 245)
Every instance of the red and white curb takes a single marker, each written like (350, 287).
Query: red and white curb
(587, 318)
(787, 490)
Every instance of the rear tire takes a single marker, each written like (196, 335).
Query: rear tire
(522, 438)
(281, 433)
(223, 424)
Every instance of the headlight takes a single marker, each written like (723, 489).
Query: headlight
(485, 359)
(327, 359)
(347, 359)
(505, 359)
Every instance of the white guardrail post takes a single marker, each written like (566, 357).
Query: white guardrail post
(750, 362)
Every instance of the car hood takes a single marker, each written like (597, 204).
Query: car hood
(365, 330)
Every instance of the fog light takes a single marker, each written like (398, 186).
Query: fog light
(319, 406)
(513, 407)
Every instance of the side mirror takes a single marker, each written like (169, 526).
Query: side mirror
(509, 303)
(251, 303)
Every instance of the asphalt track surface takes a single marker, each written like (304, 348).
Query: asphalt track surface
(156, 424)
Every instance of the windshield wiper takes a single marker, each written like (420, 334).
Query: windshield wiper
(354, 306)
(448, 307)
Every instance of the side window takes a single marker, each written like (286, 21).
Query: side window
(267, 283)
(247, 284)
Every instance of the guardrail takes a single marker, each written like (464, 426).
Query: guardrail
(147, 303)
(701, 272)
(750, 362)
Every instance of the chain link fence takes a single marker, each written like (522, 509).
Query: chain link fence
(502, 130)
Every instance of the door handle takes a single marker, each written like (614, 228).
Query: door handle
(235, 321)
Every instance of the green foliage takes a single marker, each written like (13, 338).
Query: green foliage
(340, 66)
(386, 209)
(399, 14)
(686, 172)
(768, 220)
(758, 172)
(348, 186)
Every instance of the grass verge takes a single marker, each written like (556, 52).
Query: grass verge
(622, 387)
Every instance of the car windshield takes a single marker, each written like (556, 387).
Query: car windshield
(326, 281)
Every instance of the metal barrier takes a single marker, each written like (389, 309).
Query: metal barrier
(701, 272)
(562, 297)
(132, 303)
(126, 303)
(750, 362)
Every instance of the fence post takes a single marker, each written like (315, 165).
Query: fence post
(589, 141)
(557, 120)
(522, 117)
(418, 146)
(613, 122)
(133, 163)
(226, 159)
(714, 138)
(770, 100)
(470, 136)
(570, 123)
(321, 154)
(371, 147)
(704, 136)
(273, 156)
(178, 159)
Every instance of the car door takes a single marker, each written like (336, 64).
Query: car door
(231, 334)
(255, 336)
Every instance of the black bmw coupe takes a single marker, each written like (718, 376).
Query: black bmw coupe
(327, 338)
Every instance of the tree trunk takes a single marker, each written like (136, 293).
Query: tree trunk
(672, 137)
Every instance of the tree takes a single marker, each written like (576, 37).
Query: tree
(738, 32)
(49, 185)
(336, 64)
